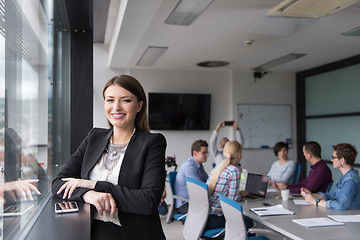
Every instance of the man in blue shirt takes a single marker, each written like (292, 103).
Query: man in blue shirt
(192, 168)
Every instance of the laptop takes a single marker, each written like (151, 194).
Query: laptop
(256, 186)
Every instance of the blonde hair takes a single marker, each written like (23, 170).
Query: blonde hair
(231, 151)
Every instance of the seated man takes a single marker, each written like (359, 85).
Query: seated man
(319, 176)
(191, 168)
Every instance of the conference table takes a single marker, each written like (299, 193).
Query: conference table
(284, 225)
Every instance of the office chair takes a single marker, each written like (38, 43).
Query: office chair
(234, 225)
(329, 186)
(198, 212)
(297, 173)
(171, 213)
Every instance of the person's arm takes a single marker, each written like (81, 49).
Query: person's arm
(238, 134)
(142, 178)
(194, 172)
(344, 197)
(288, 176)
(316, 179)
(270, 173)
(72, 169)
(295, 188)
(212, 144)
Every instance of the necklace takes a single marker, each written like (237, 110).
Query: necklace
(113, 153)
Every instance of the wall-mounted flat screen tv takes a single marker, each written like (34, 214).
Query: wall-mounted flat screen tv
(179, 111)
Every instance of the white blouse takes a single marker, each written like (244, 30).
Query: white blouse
(102, 172)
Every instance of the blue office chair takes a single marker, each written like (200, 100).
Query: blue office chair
(329, 186)
(297, 173)
(198, 212)
(171, 213)
(234, 225)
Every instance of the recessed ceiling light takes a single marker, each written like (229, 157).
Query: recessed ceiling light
(278, 61)
(352, 32)
(212, 64)
(187, 11)
(150, 56)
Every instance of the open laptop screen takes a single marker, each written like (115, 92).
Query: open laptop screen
(256, 184)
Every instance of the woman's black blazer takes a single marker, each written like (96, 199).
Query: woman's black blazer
(141, 179)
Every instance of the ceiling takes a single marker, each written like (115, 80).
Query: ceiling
(220, 33)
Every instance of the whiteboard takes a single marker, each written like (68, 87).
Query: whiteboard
(262, 126)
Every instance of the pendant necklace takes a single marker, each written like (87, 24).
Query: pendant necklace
(113, 154)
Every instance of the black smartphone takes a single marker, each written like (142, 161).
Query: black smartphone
(66, 207)
(228, 123)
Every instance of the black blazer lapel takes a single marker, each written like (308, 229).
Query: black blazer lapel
(94, 151)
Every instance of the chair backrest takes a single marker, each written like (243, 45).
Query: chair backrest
(329, 186)
(234, 225)
(171, 211)
(297, 173)
(198, 209)
(171, 178)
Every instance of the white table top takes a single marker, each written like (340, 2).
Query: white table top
(283, 224)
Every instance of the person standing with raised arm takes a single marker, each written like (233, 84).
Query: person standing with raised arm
(218, 154)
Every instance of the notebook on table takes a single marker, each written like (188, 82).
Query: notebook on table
(256, 186)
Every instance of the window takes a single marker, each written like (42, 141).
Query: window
(34, 107)
(329, 107)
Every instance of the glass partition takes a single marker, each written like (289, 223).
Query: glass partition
(34, 109)
(333, 92)
(332, 109)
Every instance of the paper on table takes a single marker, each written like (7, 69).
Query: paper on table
(273, 210)
(345, 218)
(301, 202)
(272, 190)
(317, 222)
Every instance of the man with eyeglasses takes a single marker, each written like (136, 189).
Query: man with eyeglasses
(319, 176)
(192, 168)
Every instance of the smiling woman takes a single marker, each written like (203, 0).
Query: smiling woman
(120, 170)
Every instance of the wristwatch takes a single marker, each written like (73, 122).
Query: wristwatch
(317, 202)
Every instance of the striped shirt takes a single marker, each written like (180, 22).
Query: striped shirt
(228, 184)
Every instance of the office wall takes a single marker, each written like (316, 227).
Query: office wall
(227, 89)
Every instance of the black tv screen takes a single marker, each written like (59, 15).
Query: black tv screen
(179, 111)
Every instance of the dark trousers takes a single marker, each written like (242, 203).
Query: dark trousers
(106, 231)
(215, 221)
(183, 209)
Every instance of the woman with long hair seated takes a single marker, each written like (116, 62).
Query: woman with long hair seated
(346, 192)
(225, 180)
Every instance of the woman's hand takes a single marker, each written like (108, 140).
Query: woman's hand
(102, 201)
(309, 198)
(220, 125)
(72, 183)
(304, 191)
(21, 189)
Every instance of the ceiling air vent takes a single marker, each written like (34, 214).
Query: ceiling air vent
(309, 8)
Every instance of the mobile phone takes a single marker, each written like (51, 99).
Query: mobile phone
(228, 123)
(16, 210)
(66, 207)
